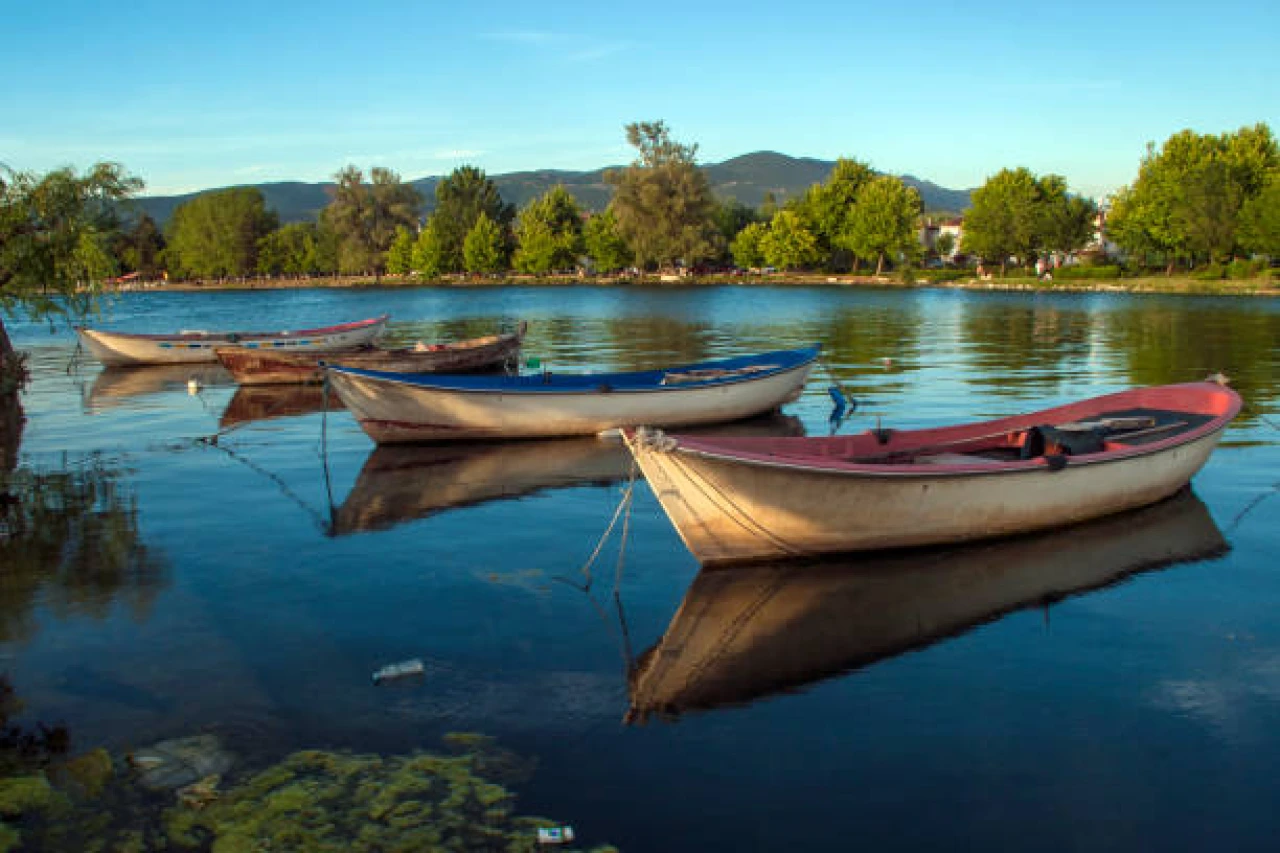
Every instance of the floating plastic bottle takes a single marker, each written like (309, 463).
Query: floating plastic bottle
(555, 835)
(405, 669)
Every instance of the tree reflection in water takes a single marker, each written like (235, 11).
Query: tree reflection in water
(69, 541)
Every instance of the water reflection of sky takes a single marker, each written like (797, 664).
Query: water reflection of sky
(1091, 724)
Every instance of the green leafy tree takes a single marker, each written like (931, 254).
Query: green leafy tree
(663, 201)
(140, 248)
(829, 206)
(746, 246)
(55, 234)
(549, 233)
(1137, 223)
(732, 216)
(882, 221)
(604, 245)
(1142, 221)
(1188, 197)
(944, 245)
(56, 231)
(484, 250)
(789, 243)
(366, 216)
(271, 254)
(1208, 209)
(1003, 219)
(293, 249)
(768, 206)
(1067, 222)
(216, 234)
(428, 257)
(400, 255)
(461, 198)
(1252, 156)
(1260, 219)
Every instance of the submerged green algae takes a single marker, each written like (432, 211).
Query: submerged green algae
(312, 800)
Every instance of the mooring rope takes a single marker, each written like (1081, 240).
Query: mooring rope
(280, 483)
(1275, 487)
(324, 449)
(75, 355)
(622, 510)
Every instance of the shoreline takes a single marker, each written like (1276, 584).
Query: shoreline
(1176, 285)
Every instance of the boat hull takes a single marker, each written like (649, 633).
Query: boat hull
(393, 412)
(729, 505)
(272, 367)
(120, 349)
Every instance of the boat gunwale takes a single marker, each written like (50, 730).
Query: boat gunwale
(912, 470)
(289, 334)
(466, 346)
(431, 382)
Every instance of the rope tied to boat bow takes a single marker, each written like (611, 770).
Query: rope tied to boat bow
(654, 440)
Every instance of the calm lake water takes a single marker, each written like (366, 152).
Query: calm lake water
(1113, 687)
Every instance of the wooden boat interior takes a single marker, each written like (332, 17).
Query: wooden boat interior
(720, 372)
(1121, 423)
(1108, 432)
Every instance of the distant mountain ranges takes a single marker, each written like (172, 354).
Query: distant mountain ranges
(747, 178)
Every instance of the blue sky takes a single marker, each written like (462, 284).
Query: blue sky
(192, 96)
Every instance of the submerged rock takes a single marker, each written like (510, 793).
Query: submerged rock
(172, 764)
(197, 795)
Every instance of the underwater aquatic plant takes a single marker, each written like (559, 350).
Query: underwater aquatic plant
(312, 800)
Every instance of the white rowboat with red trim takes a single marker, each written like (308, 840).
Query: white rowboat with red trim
(191, 347)
(736, 499)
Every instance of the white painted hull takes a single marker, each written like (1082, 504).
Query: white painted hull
(391, 411)
(118, 349)
(729, 510)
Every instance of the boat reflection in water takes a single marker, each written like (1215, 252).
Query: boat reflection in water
(263, 402)
(400, 483)
(747, 632)
(116, 385)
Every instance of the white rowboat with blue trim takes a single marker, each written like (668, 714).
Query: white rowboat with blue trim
(395, 407)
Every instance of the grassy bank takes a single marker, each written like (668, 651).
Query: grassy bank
(1260, 286)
